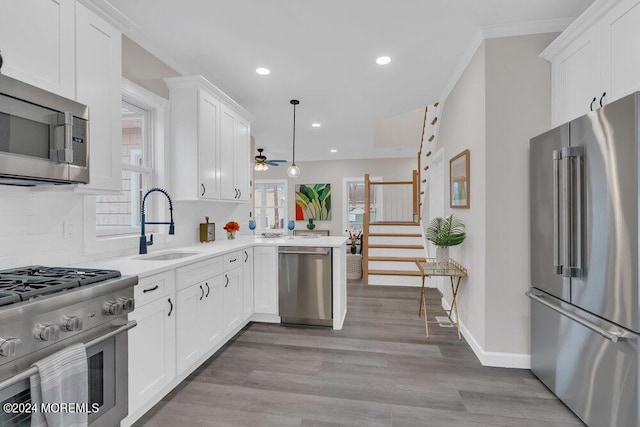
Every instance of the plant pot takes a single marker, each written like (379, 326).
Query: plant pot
(311, 225)
(354, 249)
(231, 235)
(442, 256)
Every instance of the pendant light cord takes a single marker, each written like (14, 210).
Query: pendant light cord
(294, 135)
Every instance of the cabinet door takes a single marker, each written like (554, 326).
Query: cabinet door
(152, 351)
(232, 299)
(247, 283)
(241, 153)
(576, 77)
(211, 313)
(228, 189)
(98, 74)
(38, 43)
(188, 327)
(621, 50)
(265, 285)
(208, 148)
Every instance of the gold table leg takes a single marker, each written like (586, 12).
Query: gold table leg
(423, 303)
(454, 305)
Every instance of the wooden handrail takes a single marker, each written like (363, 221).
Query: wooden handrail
(366, 219)
(391, 182)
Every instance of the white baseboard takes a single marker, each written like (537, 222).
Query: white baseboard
(492, 358)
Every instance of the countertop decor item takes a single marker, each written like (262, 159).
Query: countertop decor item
(311, 225)
(207, 231)
(354, 237)
(294, 171)
(445, 232)
(231, 227)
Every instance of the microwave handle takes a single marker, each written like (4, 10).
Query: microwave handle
(65, 154)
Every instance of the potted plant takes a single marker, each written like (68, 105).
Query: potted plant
(231, 227)
(445, 232)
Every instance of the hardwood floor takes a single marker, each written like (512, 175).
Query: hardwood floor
(380, 370)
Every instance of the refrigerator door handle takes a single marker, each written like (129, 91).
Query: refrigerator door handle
(572, 213)
(557, 265)
(566, 214)
(578, 151)
(613, 336)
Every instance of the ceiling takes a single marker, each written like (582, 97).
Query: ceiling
(323, 53)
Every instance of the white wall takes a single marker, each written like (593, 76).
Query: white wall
(332, 172)
(499, 103)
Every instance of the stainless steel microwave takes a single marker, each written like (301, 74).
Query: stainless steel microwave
(44, 137)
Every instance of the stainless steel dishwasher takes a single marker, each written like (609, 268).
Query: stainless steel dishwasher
(305, 285)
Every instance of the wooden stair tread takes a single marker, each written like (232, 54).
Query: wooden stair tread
(394, 273)
(396, 246)
(395, 235)
(396, 259)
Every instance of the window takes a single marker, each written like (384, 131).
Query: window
(271, 205)
(353, 215)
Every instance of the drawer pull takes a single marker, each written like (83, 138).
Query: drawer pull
(233, 260)
(150, 289)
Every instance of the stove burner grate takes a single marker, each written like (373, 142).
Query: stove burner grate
(84, 276)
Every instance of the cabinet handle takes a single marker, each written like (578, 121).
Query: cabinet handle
(602, 97)
(239, 193)
(204, 190)
(202, 293)
(591, 105)
(226, 277)
(236, 190)
(170, 307)
(208, 290)
(150, 289)
(246, 256)
(233, 260)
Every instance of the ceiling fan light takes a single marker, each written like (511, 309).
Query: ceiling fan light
(293, 171)
(261, 167)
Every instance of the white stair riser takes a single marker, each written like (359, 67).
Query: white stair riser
(392, 265)
(386, 240)
(396, 281)
(414, 253)
(394, 229)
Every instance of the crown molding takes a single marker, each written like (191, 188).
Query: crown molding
(473, 47)
(578, 26)
(111, 14)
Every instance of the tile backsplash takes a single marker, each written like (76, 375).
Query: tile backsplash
(49, 227)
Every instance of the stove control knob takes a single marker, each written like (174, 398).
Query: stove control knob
(10, 347)
(71, 323)
(113, 308)
(127, 304)
(46, 332)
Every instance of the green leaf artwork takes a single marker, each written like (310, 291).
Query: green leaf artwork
(313, 201)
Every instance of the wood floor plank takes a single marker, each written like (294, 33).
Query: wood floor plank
(380, 370)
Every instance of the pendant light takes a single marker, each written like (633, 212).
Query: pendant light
(294, 171)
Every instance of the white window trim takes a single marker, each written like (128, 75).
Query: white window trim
(345, 198)
(286, 192)
(158, 108)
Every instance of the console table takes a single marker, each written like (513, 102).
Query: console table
(449, 268)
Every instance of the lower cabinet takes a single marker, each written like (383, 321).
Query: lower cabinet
(199, 323)
(247, 283)
(265, 286)
(232, 296)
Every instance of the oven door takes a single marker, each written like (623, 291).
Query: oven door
(108, 399)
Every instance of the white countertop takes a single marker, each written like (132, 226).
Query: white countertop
(133, 265)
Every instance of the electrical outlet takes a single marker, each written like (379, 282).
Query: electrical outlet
(69, 229)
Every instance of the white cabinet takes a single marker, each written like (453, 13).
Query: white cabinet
(247, 283)
(265, 285)
(597, 60)
(98, 83)
(233, 311)
(211, 156)
(199, 321)
(37, 43)
(234, 149)
(152, 343)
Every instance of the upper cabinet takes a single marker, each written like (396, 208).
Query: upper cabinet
(98, 83)
(211, 142)
(596, 60)
(37, 43)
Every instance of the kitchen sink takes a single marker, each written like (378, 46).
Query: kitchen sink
(167, 256)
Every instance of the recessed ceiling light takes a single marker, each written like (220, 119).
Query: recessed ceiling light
(333, 150)
(383, 60)
(263, 71)
(315, 125)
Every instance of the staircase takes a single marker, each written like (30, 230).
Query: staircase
(392, 246)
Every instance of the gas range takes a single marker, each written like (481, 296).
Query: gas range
(40, 305)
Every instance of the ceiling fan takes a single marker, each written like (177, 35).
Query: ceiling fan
(262, 161)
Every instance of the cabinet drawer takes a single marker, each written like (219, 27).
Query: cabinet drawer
(153, 287)
(232, 260)
(197, 272)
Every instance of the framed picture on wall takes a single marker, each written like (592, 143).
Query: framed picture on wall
(459, 191)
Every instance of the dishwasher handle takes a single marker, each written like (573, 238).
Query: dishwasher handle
(304, 253)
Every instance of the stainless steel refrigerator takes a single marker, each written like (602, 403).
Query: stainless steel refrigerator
(585, 322)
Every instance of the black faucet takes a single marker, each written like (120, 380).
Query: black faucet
(143, 221)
